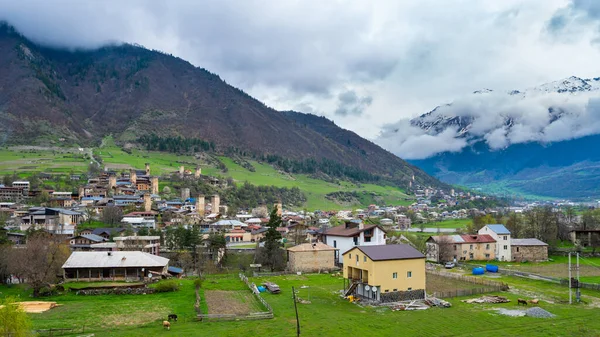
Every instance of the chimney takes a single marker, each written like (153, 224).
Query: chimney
(147, 169)
(200, 205)
(133, 176)
(154, 183)
(181, 170)
(112, 182)
(279, 207)
(185, 193)
(147, 203)
(215, 202)
(198, 172)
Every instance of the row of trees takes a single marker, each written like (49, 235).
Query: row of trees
(175, 144)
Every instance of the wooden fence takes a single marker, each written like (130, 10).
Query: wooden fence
(58, 331)
(488, 286)
(229, 317)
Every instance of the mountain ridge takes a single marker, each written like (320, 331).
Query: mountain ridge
(80, 96)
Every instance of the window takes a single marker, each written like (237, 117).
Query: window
(395, 290)
(394, 275)
(409, 289)
(487, 256)
(471, 256)
(517, 249)
(387, 290)
(454, 247)
(471, 247)
(350, 255)
(365, 258)
(505, 237)
(409, 274)
(334, 244)
(367, 239)
(356, 257)
(505, 247)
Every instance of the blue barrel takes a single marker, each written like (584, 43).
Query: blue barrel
(491, 268)
(478, 271)
(261, 289)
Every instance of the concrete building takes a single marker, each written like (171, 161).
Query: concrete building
(529, 250)
(311, 257)
(385, 273)
(502, 236)
(351, 234)
(146, 244)
(445, 248)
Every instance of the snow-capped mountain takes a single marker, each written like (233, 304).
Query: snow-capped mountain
(538, 141)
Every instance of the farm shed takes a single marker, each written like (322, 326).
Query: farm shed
(529, 250)
(126, 265)
(311, 257)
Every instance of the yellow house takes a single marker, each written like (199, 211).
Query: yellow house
(385, 273)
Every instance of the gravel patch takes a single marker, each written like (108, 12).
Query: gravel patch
(512, 313)
(539, 313)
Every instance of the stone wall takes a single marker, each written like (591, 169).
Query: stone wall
(529, 253)
(397, 296)
(311, 261)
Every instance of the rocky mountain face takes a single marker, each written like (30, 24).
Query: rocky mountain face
(548, 163)
(128, 91)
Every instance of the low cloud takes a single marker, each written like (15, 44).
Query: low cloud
(349, 104)
(499, 120)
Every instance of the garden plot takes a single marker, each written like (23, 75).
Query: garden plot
(231, 302)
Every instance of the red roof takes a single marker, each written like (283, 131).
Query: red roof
(352, 230)
(483, 238)
(237, 231)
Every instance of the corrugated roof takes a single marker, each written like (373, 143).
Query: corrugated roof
(311, 247)
(93, 237)
(114, 260)
(389, 252)
(527, 242)
(352, 231)
(481, 238)
(498, 229)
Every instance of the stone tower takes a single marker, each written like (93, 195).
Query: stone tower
(147, 202)
(133, 176)
(185, 193)
(147, 169)
(279, 207)
(154, 183)
(215, 201)
(181, 171)
(112, 183)
(200, 205)
(198, 172)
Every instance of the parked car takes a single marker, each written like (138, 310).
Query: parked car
(449, 265)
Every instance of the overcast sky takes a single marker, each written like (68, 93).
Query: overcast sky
(362, 63)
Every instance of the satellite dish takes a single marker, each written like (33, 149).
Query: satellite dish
(150, 275)
(367, 288)
(374, 289)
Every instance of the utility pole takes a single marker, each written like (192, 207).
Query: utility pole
(570, 281)
(577, 289)
(296, 308)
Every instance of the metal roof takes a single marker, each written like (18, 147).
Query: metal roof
(230, 223)
(311, 247)
(93, 237)
(498, 229)
(527, 242)
(389, 252)
(127, 259)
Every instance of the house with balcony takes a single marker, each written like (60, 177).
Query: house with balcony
(384, 273)
(351, 234)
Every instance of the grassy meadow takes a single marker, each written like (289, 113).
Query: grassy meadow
(326, 315)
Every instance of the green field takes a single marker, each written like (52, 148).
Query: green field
(326, 315)
(113, 157)
(454, 223)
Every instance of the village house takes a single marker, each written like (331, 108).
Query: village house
(106, 233)
(53, 220)
(114, 266)
(502, 236)
(444, 248)
(529, 250)
(585, 237)
(143, 243)
(311, 257)
(385, 273)
(83, 242)
(353, 234)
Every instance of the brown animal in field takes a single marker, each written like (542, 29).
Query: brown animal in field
(167, 325)
(534, 301)
(521, 301)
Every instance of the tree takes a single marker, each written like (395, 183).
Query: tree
(40, 261)
(515, 225)
(14, 321)
(112, 215)
(272, 248)
(445, 248)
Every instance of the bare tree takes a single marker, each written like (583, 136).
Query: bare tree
(39, 262)
(445, 248)
(112, 215)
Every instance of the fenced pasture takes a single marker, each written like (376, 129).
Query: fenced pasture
(446, 285)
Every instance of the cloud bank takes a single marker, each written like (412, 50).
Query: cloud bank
(499, 120)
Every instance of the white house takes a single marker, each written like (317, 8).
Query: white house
(352, 234)
(502, 236)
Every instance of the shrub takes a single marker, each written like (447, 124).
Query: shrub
(167, 286)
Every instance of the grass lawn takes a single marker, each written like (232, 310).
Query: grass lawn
(454, 223)
(589, 268)
(26, 162)
(327, 315)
